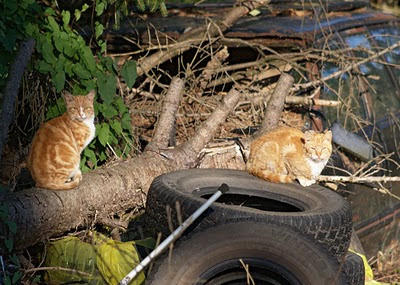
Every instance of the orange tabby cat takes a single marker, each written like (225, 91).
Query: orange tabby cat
(285, 154)
(56, 148)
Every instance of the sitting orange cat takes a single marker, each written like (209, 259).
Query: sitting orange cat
(56, 148)
(285, 154)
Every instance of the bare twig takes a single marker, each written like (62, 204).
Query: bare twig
(358, 179)
(58, 268)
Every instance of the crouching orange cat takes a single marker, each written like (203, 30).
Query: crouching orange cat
(286, 154)
(56, 148)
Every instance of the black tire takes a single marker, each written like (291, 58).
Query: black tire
(354, 269)
(315, 212)
(274, 253)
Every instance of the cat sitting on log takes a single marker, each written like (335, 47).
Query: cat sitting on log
(55, 153)
(285, 154)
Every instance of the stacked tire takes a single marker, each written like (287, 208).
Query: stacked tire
(282, 233)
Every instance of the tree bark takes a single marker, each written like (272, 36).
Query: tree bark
(105, 192)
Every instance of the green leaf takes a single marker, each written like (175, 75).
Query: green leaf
(47, 52)
(126, 122)
(129, 73)
(7, 280)
(108, 63)
(88, 84)
(58, 43)
(85, 168)
(103, 134)
(43, 66)
(108, 111)
(68, 68)
(16, 277)
(49, 12)
(59, 80)
(100, 7)
(9, 244)
(81, 71)
(117, 127)
(103, 47)
(106, 86)
(9, 40)
(119, 102)
(102, 156)
(77, 14)
(15, 259)
(85, 7)
(53, 24)
(99, 29)
(56, 109)
(31, 29)
(88, 59)
(66, 17)
(12, 226)
(11, 7)
(91, 155)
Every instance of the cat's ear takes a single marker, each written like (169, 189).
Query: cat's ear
(68, 97)
(328, 135)
(91, 95)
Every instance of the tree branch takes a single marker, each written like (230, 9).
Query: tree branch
(190, 150)
(276, 103)
(166, 121)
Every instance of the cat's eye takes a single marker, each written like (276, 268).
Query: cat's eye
(73, 109)
(88, 109)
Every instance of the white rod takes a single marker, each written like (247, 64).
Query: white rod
(172, 237)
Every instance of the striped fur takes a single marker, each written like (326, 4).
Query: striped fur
(286, 154)
(56, 148)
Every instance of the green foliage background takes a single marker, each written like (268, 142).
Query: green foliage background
(72, 64)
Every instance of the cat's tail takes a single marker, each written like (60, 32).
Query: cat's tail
(272, 177)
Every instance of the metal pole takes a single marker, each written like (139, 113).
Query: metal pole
(172, 237)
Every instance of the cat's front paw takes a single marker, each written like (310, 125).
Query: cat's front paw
(306, 182)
